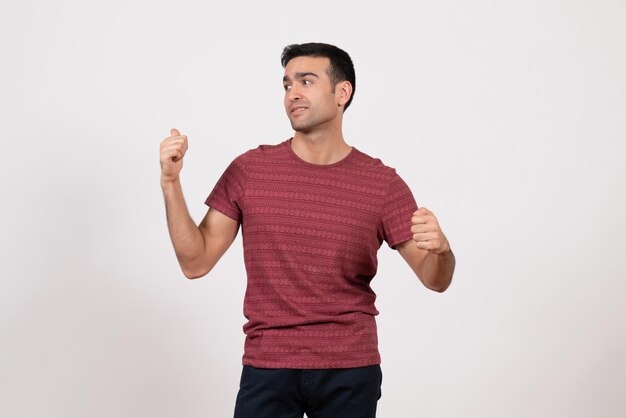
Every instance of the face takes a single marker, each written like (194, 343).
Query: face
(310, 99)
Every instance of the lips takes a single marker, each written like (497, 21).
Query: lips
(297, 109)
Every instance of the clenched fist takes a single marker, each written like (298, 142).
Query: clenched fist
(427, 232)
(173, 149)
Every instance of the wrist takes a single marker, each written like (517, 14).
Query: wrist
(167, 183)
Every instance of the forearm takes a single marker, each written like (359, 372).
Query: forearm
(184, 233)
(438, 270)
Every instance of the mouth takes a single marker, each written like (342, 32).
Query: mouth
(297, 110)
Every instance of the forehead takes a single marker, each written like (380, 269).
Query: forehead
(317, 65)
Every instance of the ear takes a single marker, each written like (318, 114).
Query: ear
(343, 90)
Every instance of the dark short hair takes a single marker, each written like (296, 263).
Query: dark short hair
(340, 69)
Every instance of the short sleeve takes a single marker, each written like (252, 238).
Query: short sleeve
(228, 193)
(398, 207)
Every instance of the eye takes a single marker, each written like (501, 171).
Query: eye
(306, 82)
(286, 87)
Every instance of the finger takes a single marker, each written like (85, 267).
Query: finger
(426, 245)
(174, 145)
(419, 220)
(425, 237)
(422, 211)
(173, 152)
(170, 151)
(177, 156)
(174, 141)
(421, 228)
(180, 142)
(174, 132)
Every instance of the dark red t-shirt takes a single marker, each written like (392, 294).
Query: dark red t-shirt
(310, 235)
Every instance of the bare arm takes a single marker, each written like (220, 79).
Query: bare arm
(428, 253)
(197, 248)
(434, 270)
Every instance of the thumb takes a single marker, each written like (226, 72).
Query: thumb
(174, 132)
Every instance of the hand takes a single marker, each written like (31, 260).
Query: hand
(427, 232)
(173, 149)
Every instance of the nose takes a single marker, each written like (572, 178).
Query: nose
(293, 94)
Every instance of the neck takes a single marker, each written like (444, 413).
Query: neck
(320, 147)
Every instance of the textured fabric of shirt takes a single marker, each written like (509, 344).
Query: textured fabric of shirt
(310, 236)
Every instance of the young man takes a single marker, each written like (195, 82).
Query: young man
(314, 211)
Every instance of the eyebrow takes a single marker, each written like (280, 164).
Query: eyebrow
(300, 75)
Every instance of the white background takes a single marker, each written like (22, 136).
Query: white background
(507, 120)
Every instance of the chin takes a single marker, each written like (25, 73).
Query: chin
(300, 127)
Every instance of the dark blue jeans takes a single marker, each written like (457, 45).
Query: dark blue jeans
(320, 393)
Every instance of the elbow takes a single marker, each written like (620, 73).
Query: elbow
(194, 268)
(194, 274)
(439, 288)
(443, 288)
